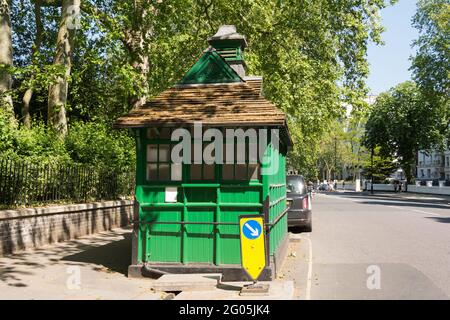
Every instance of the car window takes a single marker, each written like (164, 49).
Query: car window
(295, 185)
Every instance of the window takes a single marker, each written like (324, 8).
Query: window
(201, 171)
(295, 184)
(159, 165)
(249, 170)
(447, 161)
(161, 168)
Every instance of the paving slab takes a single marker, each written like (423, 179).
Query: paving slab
(187, 282)
(278, 290)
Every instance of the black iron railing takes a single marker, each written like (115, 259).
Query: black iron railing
(25, 183)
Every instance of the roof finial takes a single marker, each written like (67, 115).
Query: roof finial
(228, 32)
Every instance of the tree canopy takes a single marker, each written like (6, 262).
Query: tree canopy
(312, 56)
(402, 122)
(431, 63)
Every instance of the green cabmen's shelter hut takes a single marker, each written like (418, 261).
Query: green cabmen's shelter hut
(209, 150)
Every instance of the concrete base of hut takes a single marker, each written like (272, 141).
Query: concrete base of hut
(229, 272)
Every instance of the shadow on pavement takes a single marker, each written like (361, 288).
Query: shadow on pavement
(111, 250)
(295, 230)
(441, 203)
(440, 219)
(115, 256)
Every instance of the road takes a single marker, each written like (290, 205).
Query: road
(373, 247)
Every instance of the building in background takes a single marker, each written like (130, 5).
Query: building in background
(433, 165)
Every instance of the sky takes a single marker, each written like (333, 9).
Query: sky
(389, 63)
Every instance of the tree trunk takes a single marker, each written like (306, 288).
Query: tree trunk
(135, 43)
(408, 174)
(57, 93)
(142, 66)
(6, 59)
(26, 118)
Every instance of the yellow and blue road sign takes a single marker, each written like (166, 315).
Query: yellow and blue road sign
(253, 246)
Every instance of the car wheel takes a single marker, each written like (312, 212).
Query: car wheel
(307, 227)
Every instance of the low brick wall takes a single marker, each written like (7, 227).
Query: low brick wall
(34, 227)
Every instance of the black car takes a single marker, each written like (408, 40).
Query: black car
(299, 200)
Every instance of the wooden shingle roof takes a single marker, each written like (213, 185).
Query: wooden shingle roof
(214, 92)
(231, 104)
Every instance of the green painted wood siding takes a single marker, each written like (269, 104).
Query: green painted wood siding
(212, 201)
(275, 186)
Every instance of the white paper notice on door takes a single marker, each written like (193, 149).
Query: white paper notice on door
(171, 194)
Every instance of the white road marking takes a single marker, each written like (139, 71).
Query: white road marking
(433, 214)
(418, 211)
(310, 264)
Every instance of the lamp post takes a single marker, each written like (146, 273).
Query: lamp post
(335, 160)
(371, 172)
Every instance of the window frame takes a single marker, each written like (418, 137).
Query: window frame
(186, 168)
(158, 141)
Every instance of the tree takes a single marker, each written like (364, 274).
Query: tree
(311, 55)
(334, 151)
(381, 167)
(26, 118)
(130, 22)
(402, 122)
(57, 93)
(354, 127)
(6, 57)
(431, 63)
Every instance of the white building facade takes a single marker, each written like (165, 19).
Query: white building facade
(433, 165)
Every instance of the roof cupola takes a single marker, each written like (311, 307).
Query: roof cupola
(230, 45)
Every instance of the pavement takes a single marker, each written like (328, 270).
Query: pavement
(381, 246)
(95, 268)
(278, 290)
(92, 267)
